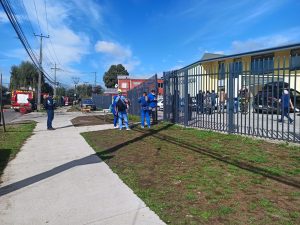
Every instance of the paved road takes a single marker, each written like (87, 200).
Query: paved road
(10, 115)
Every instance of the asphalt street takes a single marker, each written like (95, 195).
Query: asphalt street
(10, 115)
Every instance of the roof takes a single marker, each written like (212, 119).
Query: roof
(111, 91)
(207, 56)
(257, 52)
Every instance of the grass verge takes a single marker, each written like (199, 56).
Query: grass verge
(12, 141)
(190, 176)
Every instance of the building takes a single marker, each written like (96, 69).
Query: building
(250, 69)
(126, 83)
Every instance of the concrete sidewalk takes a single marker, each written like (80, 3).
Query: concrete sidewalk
(57, 179)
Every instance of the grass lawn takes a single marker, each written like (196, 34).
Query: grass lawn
(12, 140)
(189, 176)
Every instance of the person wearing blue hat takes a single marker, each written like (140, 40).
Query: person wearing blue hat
(121, 109)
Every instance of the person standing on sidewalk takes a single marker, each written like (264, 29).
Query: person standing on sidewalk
(144, 110)
(49, 106)
(114, 112)
(286, 105)
(120, 108)
(152, 105)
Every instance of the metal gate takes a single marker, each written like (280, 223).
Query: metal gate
(237, 97)
(135, 93)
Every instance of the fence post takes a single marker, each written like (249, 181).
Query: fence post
(230, 98)
(186, 98)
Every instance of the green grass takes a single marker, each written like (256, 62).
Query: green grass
(192, 176)
(12, 140)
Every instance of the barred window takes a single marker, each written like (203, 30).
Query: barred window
(262, 64)
(295, 59)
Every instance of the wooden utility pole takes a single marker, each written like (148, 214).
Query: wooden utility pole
(40, 71)
(55, 83)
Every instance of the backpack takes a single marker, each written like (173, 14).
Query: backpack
(120, 105)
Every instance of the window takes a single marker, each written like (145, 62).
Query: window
(124, 85)
(221, 70)
(136, 83)
(237, 67)
(295, 59)
(262, 64)
(160, 85)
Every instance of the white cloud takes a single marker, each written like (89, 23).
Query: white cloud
(114, 53)
(3, 17)
(65, 45)
(275, 40)
(113, 49)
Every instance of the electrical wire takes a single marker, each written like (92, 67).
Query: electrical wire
(18, 29)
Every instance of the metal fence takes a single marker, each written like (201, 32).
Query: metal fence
(135, 93)
(102, 101)
(238, 97)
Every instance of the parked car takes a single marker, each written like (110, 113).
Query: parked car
(266, 100)
(88, 103)
(160, 104)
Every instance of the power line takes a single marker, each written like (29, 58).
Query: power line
(18, 29)
(37, 16)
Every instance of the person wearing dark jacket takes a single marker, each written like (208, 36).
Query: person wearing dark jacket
(144, 110)
(49, 106)
(152, 105)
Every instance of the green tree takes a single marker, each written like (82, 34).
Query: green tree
(70, 92)
(61, 91)
(98, 90)
(47, 88)
(24, 76)
(110, 77)
(84, 90)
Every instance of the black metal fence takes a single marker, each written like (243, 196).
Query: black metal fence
(243, 97)
(102, 101)
(135, 93)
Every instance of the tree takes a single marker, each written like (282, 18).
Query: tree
(60, 91)
(84, 90)
(110, 77)
(24, 76)
(70, 92)
(46, 88)
(98, 90)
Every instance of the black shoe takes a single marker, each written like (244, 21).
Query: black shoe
(51, 128)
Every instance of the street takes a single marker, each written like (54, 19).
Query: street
(10, 115)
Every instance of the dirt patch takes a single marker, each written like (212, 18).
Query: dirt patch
(92, 120)
(189, 176)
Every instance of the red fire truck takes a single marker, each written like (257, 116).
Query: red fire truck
(21, 100)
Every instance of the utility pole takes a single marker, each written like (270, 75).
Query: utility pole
(55, 83)
(75, 81)
(95, 79)
(40, 71)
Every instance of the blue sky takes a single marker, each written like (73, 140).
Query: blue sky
(146, 36)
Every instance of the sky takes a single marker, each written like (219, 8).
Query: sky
(146, 36)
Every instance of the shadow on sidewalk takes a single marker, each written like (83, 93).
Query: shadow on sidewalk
(91, 159)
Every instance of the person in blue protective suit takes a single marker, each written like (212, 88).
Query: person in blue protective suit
(121, 109)
(114, 112)
(152, 105)
(49, 107)
(144, 110)
(286, 106)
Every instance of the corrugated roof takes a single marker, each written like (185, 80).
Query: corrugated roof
(207, 56)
